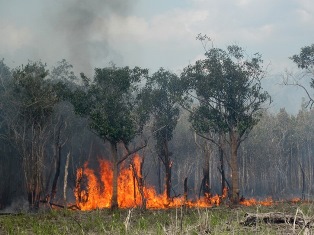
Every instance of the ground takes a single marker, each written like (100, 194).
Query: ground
(216, 220)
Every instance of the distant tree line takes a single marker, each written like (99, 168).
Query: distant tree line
(208, 126)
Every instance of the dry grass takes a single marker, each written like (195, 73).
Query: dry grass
(217, 220)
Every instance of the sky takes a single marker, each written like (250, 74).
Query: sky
(153, 34)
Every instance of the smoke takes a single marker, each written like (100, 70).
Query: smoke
(84, 26)
(19, 205)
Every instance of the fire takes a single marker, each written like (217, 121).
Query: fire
(253, 202)
(94, 192)
(131, 190)
(295, 200)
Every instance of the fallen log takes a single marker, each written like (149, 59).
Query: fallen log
(276, 218)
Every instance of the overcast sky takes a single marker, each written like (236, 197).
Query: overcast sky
(154, 34)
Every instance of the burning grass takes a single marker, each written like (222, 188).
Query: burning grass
(182, 220)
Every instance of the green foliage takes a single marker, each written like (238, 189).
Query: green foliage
(110, 102)
(33, 93)
(159, 98)
(305, 60)
(228, 90)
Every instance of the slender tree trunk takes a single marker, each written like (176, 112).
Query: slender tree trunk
(185, 185)
(65, 180)
(168, 166)
(159, 177)
(205, 181)
(222, 168)
(234, 167)
(114, 199)
(57, 174)
(138, 178)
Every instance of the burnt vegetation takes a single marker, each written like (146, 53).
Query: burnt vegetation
(199, 132)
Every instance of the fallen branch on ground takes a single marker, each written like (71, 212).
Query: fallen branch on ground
(277, 218)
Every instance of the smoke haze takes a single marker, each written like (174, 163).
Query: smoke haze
(84, 25)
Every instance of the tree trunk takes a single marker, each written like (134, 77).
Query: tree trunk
(34, 190)
(222, 168)
(185, 185)
(205, 181)
(160, 189)
(138, 178)
(234, 167)
(114, 199)
(57, 174)
(168, 166)
(65, 180)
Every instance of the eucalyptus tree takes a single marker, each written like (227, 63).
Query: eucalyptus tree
(109, 101)
(229, 95)
(159, 98)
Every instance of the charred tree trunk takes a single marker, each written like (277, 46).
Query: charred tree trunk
(140, 182)
(114, 199)
(168, 166)
(206, 183)
(141, 185)
(159, 177)
(235, 192)
(222, 168)
(185, 189)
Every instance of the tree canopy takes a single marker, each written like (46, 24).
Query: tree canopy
(110, 101)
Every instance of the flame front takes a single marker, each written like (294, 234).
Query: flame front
(132, 192)
(253, 202)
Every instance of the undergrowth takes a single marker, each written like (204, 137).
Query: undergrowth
(216, 220)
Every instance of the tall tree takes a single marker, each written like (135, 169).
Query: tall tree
(160, 99)
(227, 87)
(109, 101)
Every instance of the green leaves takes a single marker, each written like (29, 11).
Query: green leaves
(228, 90)
(109, 100)
(305, 60)
(33, 93)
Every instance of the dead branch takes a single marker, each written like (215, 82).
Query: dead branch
(276, 218)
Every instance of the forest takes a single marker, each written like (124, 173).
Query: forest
(197, 133)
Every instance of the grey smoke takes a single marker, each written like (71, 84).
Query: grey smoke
(78, 20)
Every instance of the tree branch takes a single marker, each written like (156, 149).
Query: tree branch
(131, 152)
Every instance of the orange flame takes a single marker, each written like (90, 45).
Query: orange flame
(253, 202)
(131, 191)
(295, 200)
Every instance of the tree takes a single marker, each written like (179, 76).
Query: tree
(10, 165)
(305, 62)
(160, 100)
(227, 87)
(109, 101)
(28, 104)
(62, 78)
